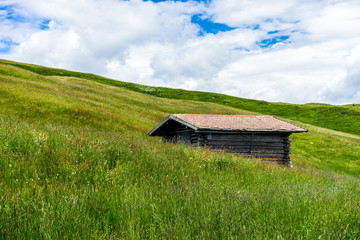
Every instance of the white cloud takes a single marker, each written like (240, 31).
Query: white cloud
(347, 88)
(248, 12)
(156, 44)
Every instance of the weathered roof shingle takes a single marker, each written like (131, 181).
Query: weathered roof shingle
(238, 122)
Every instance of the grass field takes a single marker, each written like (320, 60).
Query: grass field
(342, 118)
(75, 163)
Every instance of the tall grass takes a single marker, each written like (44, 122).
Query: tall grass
(66, 182)
(75, 163)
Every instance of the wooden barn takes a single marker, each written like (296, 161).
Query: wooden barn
(264, 137)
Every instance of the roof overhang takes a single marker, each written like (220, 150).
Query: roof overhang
(156, 130)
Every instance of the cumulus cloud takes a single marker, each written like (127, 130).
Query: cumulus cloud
(243, 13)
(288, 50)
(347, 87)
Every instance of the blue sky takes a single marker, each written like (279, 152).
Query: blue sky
(288, 50)
(6, 45)
(203, 1)
(208, 26)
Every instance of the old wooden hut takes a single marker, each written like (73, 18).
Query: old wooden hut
(265, 137)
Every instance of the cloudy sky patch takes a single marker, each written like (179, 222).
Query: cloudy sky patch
(287, 50)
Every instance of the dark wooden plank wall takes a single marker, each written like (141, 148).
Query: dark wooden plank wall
(179, 135)
(269, 147)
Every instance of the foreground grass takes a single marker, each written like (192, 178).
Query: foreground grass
(75, 163)
(66, 182)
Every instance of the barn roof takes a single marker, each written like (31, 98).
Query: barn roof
(242, 123)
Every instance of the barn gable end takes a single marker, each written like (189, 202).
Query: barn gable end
(264, 137)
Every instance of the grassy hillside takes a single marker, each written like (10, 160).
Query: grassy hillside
(342, 118)
(75, 163)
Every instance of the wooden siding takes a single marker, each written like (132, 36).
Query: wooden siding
(274, 147)
(179, 135)
(265, 146)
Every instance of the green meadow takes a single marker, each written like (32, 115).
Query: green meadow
(341, 118)
(75, 163)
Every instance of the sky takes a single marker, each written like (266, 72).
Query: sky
(296, 51)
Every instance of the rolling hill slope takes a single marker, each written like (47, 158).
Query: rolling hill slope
(75, 163)
(341, 118)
